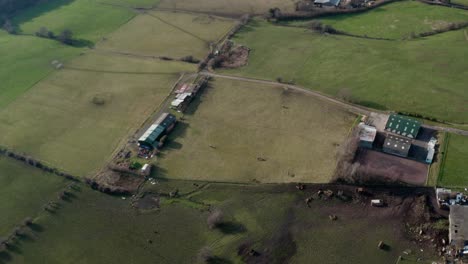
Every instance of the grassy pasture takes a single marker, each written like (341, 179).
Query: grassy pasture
(395, 21)
(132, 3)
(453, 171)
(26, 60)
(23, 192)
(424, 76)
(168, 34)
(76, 117)
(296, 134)
(226, 7)
(88, 19)
(460, 2)
(93, 218)
(268, 218)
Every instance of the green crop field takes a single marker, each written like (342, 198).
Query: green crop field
(26, 60)
(418, 76)
(297, 135)
(168, 34)
(76, 117)
(226, 7)
(88, 19)
(23, 192)
(270, 219)
(453, 171)
(395, 21)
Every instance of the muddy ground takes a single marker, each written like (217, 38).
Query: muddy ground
(388, 168)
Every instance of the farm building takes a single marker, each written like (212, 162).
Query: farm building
(458, 230)
(152, 137)
(396, 145)
(431, 150)
(327, 2)
(184, 96)
(367, 135)
(403, 125)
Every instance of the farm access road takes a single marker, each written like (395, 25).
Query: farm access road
(360, 110)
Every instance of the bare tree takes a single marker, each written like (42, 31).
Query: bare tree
(66, 37)
(9, 27)
(215, 218)
(204, 255)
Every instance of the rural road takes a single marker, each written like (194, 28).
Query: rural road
(361, 110)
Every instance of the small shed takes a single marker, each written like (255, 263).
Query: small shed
(367, 135)
(396, 145)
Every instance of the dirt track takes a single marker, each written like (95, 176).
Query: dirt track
(361, 110)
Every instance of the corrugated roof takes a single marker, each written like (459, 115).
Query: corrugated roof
(397, 144)
(403, 125)
(157, 129)
(367, 133)
(328, 2)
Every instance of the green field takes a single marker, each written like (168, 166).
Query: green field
(77, 116)
(26, 60)
(395, 21)
(453, 171)
(23, 192)
(460, 2)
(270, 219)
(168, 34)
(419, 76)
(88, 19)
(297, 135)
(226, 7)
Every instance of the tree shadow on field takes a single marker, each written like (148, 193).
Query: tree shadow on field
(82, 43)
(36, 228)
(4, 257)
(230, 227)
(39, 9)
(218, 260)
(371, 104)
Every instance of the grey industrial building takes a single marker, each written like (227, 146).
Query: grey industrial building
(396, 145)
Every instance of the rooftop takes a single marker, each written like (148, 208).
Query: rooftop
(396, 144)
(367, 133)
(403, 125)
(458, 230)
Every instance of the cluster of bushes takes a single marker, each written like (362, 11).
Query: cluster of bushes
(66, 36)
(106, 188)
(7, 242)
(35, 163)
(449, 27)
(421, 116)
(318, 26)
(210, 60)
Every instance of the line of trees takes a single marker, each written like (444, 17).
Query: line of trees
(66, 36)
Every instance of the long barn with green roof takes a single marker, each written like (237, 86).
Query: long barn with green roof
(403, 125)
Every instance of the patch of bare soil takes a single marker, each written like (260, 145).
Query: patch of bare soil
(381, 167)
(413, 211)
(120, 181)
(147, 202)
(237, 57)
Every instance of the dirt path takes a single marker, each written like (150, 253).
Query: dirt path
(361, 110)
